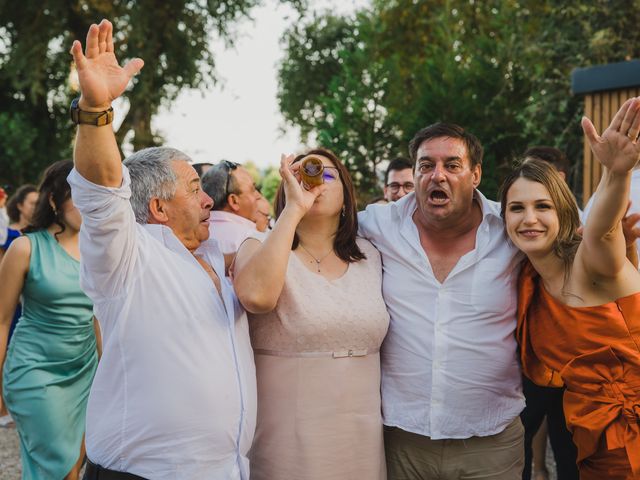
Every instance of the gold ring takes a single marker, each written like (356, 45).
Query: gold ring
(632, 137)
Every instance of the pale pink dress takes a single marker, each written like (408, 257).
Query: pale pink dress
(318, 368)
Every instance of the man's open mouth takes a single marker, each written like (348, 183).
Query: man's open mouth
(438, 197)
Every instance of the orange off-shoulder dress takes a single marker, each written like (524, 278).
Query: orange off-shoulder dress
(595, 352)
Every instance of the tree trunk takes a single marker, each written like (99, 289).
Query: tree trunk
(141, 123)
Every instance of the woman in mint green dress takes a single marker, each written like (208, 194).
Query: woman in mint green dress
(50, 362)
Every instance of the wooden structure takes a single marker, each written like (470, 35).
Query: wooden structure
(606, 88)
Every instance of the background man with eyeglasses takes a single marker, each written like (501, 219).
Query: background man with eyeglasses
(235, 204)
(398, 180)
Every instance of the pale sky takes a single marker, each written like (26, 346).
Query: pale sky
(240, 120)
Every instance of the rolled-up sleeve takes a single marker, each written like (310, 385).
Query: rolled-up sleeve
(108, 236)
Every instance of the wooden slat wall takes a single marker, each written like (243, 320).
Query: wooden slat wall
(600, 107)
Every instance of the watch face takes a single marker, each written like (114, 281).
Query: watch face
(73, 111)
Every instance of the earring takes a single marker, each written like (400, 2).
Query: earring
(343, 211)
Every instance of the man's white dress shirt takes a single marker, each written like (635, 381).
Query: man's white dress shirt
(4, 225)
(230, 230)
(449, 365)
(174, 396)
(634, 197)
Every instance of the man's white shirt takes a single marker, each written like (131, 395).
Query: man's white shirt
(174, 395)
(449, 364)
(4, 225)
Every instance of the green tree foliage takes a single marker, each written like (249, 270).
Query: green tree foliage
(364, 84)
(172, 37)
(253, 170)
(329, 87)
(267, 180)
(269, 184)
(575, 35)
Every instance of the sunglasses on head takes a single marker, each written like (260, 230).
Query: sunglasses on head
(229, 166)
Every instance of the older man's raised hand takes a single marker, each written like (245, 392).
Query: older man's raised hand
(101, 78)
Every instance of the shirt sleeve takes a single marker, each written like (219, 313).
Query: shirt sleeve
(367, 222)
(108, 236)
(587, 209)
(4, 226)
(230, 235)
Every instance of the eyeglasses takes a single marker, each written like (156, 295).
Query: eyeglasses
(330, 174)
(406, 186)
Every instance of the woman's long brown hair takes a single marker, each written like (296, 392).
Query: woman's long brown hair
(54, 188)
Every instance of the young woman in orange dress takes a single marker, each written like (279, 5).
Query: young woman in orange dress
(579, 298)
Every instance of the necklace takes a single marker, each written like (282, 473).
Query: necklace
(317, 260)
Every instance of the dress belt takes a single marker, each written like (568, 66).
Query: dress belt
(337, 354)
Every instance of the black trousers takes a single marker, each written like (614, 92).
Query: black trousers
(96, 472)
(547, 401)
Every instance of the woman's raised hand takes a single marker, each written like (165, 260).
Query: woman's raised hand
(618, 148)
(101, 78)
(296, 195)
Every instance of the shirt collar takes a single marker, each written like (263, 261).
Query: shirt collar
(489, 208)
(404, 207)
(223, 216)
(166, 237)
(209, 250)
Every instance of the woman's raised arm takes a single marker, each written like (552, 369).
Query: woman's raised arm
(260, 268)
(603, 249)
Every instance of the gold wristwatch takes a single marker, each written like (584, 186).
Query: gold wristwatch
(98, 119)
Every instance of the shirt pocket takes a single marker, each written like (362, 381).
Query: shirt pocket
(493, 288)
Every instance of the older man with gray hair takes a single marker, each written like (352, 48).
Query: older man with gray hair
(174, 395)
